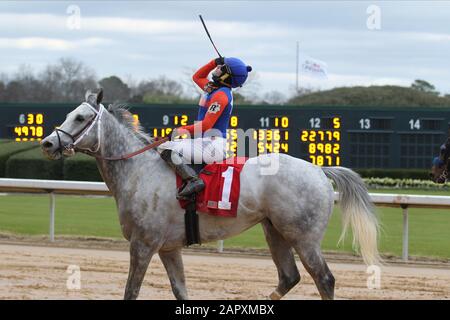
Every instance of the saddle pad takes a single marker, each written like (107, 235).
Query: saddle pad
(221, 194)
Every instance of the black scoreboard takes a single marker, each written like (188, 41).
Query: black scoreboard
(343, 136)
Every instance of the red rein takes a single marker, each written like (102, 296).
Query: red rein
(152, 145)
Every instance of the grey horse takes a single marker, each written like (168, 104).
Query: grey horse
(293, 204)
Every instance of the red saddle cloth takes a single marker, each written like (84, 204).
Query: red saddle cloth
(221, 194)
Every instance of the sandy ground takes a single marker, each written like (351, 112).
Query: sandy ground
(33, 272)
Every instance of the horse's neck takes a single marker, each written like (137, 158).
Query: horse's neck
(117, 141)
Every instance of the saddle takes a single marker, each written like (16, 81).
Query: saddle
(220, 197)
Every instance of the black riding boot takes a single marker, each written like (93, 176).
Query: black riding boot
(193, 183)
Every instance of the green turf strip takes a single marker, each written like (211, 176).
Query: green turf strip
(82, 216)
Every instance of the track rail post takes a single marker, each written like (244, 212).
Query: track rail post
(220, 246)
(52, 217)
(405, 245)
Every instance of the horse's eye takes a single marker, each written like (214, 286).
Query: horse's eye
(79, 118)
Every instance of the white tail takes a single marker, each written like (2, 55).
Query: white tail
(357, 211)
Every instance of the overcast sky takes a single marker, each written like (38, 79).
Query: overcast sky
(147, 39)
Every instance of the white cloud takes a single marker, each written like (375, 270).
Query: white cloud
(50, 43)
(193, 27)
(32, 21)
(278, 81)
(339, 80)
(160, 44)
(428, 37)
(224, 29)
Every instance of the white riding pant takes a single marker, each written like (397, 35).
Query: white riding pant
(199, 150)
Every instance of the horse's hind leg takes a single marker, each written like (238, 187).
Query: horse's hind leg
(313, 261)
(173, 263)
(288, 275)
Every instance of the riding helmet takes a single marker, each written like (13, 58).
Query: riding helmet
(234, 73)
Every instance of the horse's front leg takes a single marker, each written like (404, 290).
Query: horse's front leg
(173, 262)
(140, 256)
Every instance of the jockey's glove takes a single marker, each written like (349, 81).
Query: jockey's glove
(220, 61)
(173, 135)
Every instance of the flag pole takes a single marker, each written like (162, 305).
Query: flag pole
(296, 73)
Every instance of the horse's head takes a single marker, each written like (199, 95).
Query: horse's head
(441, 165)
(79, 132)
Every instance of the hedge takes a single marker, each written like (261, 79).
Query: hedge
(84, 168)
(32, 164)
(81, 168)
(405, 184)
(9, 149)
(419, 174)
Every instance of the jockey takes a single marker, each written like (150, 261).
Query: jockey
(207, 141)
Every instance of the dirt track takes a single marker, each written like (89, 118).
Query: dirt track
(29, 272)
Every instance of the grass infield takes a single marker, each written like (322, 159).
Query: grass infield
(29, 214)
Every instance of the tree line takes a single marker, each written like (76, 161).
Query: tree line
(67, 80)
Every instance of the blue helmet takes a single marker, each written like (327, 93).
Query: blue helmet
(239, 71)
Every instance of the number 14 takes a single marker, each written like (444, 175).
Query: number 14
(414, 124)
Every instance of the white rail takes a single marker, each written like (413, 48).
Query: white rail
(53, 187)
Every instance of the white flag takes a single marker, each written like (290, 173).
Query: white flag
(314, 67)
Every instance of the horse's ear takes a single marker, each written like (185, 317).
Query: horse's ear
(90, 97)
(100, 96)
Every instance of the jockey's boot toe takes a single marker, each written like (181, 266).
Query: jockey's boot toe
(193, 183)
(193, 186)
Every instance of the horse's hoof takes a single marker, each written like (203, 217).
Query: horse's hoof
(275, 295)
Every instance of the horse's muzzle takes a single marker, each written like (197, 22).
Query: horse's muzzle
(50, 149)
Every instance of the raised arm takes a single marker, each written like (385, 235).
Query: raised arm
(201, 76)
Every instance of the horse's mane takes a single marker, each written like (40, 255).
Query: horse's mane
(125, 117)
